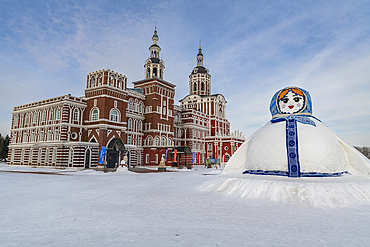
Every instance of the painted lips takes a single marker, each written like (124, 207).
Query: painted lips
(291, 106)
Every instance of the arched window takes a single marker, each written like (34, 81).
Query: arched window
(160, 73)
(114, 116)
(95, 115)
(163, 142)
(93, 81)
(58, 113)
(51, 114)
(130, 124)
(148, 73)
(156, 141)
(34, 117)
(169, 142)
(75, 114)
(150, 141)
(164, 110)
(100, 80)
(155, 72)
(140, 107)
(202, 86)
(130, 103)
(120, 84)
(26, 119)
(43, 115)
(111, 80)
(140, 126)
(195, 86)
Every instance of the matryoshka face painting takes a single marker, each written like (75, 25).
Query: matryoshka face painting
(291, 101)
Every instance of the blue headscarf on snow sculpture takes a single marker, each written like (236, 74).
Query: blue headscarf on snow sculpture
(292, 103)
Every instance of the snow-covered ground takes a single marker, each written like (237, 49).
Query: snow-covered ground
(182, 208)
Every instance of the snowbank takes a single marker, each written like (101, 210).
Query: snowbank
(329, 192)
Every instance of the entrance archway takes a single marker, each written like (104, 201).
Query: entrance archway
(114, 149)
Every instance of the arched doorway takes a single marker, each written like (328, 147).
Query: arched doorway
(87, 159)
(114, 149)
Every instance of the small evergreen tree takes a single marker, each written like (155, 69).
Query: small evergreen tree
(4, 146)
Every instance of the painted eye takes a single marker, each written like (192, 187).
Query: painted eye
(285, 100)
(297, 99)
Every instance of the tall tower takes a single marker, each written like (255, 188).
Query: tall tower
(200, 79)
(159, 107)
(154, 66)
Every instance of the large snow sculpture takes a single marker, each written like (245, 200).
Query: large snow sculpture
(295, 144)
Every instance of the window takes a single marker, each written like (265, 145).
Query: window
(95, 115)
(58, 113)
(43, 115)
(15, 120)
(56, 135)
(147, 158)
(26, 119)
(163, 142)
(148, 73)
(39, 154)
(130, 124)
(156, 141)
(114, 116)
(169, 142)
(129, 140)
(30, 157)
(140, 107)
(70, 156)
(42, 136)
(99, 80)
(164, 111)
(22, 155)
(149, 141)
(54, 157)
(34, 117)
(150, 109)
(75, 115)
(49, 135)
(111, 80)
(139, 141)
(47, 156)
(24, 137)
(155, 72)
(93, 81)
(210, 146)
(51, 114)
(130, 105)
(33, 137)
(202, 86)
(156, 158)
(120, 84)
(195, 86)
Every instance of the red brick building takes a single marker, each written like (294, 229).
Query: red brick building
(141, 122)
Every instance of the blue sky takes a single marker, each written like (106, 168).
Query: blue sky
(252, 49)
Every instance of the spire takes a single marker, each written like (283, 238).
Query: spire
(154, 65)
(200, 55)
(155, 36)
